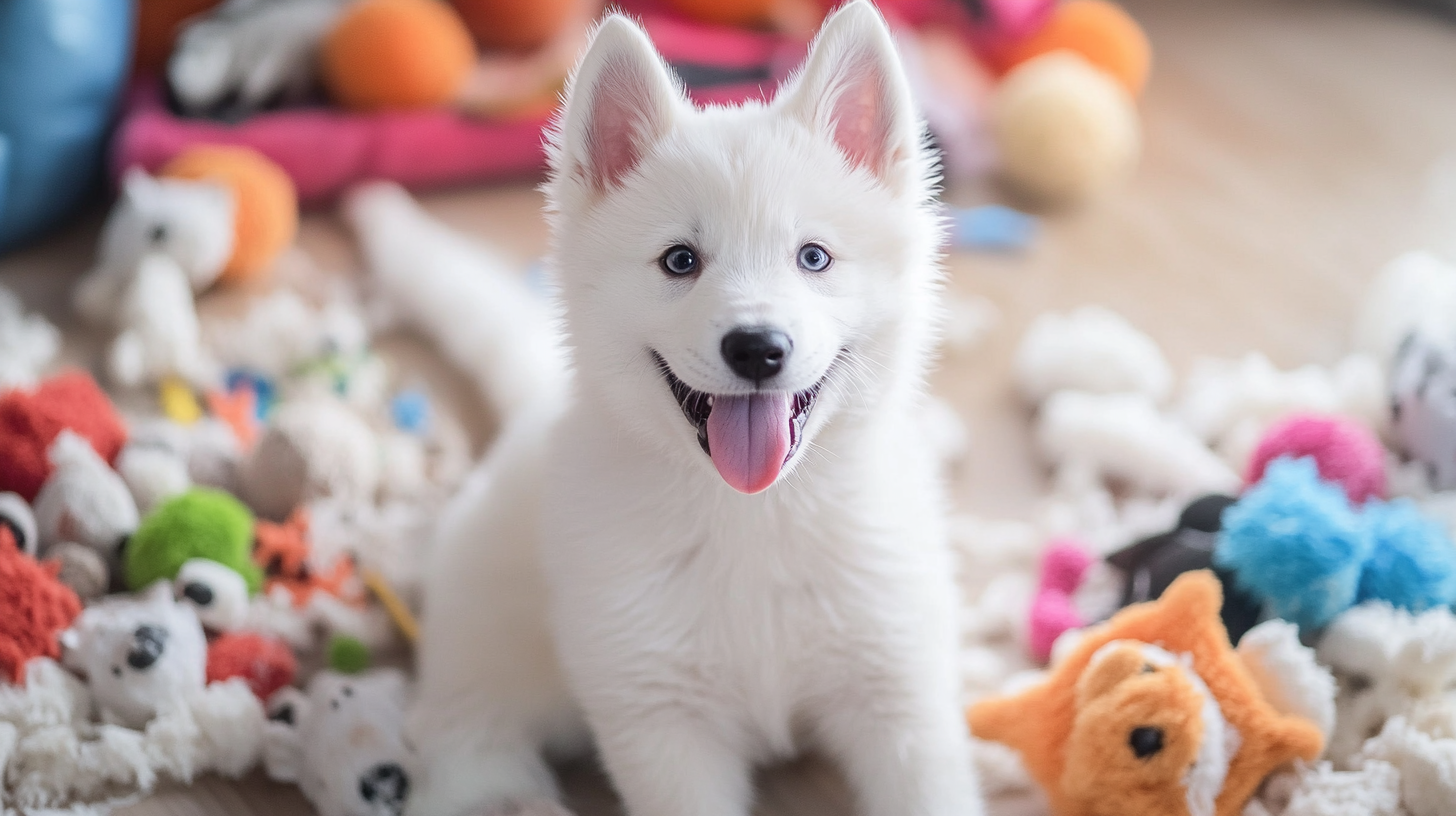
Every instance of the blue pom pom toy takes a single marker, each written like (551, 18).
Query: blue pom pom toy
(1413, 564)
(1294, 542)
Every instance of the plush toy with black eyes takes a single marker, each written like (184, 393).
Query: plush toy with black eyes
(139, 654)
(166, 240)
(1154, 714)
(342, 742)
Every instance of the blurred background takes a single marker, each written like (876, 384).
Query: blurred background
(1228, 177)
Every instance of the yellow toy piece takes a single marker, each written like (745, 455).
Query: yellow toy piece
(178, 402)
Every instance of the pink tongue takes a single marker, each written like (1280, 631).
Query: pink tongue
(748, 438)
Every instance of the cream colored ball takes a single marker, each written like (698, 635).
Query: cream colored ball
(1064, 129)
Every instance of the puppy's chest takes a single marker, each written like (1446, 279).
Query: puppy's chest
(754, 603)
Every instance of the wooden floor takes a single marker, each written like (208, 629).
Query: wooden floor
(1289, 148)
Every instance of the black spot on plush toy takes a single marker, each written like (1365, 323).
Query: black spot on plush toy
(342, 742)
(1423, 407)
(1151, 565)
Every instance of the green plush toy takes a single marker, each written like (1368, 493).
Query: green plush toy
(348, 655)
(200, 523)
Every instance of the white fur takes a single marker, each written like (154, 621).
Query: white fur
(1090, 349)
(598, 565)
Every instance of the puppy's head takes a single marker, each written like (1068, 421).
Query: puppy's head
(739, 281)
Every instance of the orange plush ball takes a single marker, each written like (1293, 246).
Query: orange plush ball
(397, 54)
(265, 204)
(517, 25)
(727, 12)
(1101, 32)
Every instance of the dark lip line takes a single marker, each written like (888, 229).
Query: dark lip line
(696, 405)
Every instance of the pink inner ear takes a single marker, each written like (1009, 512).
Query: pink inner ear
(861, 117)
(619, 124)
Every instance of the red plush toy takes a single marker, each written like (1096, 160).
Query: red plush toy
(35, 607)
(267, 665)
(31, 420)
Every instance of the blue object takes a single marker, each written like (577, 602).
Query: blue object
(1413, 564)
(992, 227)
(265, 395)
(410, 410)
(1294, 542)
(62, 65)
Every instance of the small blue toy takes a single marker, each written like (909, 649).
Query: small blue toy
(991, 227)
(261, 386)
(410, 410)
(62, 65)
(1295, 543)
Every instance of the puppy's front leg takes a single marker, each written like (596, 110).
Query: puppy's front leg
(905, 762)
(671, 763)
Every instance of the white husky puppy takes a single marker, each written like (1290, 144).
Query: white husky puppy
(721, 543)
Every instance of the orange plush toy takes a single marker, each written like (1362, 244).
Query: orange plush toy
(397, 54)
(517, 25)
(265, 205)
(1151, 714)
(283, 551)
(1096, 30)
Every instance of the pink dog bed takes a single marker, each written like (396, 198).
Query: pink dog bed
(327, 150)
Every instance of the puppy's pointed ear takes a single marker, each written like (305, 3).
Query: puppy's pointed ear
(853, 89)
(621, 100)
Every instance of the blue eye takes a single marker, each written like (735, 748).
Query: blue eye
(814, 258)
(679, 260)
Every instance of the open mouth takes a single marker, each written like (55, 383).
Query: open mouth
(749, 437)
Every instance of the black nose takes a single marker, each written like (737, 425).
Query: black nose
(148, 642)
(756, 354)
(385, 785)
(1145, 741)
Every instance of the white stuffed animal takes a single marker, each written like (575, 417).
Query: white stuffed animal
(1416, 292)
(1423, 401)
(84, 500)
(342, 742)
(141, 655)
(255, 51)
(166, 240)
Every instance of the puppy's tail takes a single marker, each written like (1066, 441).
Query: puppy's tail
(470, 302)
